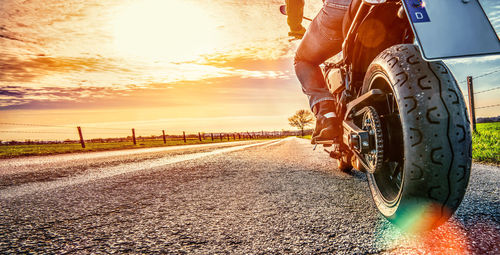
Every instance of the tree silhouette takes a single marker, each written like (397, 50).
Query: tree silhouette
(301, 119)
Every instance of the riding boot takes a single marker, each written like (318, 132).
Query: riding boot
(327, 123)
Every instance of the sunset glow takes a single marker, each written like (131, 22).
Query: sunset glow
(164, 30)
(225, 65)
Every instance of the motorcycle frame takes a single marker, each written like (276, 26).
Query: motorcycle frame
(354, 60)
(398, 33)
(355, 57)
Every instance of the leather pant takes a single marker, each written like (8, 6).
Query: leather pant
(322, 40)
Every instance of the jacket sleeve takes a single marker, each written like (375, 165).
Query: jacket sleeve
(295, 12)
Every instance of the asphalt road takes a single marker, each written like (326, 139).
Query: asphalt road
(237, 198)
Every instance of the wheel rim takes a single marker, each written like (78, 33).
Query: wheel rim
(389, 178)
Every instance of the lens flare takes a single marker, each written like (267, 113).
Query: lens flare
(412, 235)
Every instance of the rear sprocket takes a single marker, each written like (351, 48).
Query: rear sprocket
(371, 123)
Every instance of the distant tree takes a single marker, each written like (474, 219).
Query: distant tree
(301, 119)
(488, 119)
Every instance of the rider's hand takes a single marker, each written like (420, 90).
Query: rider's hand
(297, 33)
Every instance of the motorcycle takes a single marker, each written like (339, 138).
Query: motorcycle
(405, 120)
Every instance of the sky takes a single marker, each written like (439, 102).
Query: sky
(178, 65)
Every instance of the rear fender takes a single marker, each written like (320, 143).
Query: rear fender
(379, 30)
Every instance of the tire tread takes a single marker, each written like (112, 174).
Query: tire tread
(434, 121)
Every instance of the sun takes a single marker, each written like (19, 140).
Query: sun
(167, 30)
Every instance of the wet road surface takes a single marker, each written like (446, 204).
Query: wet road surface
(237, 198)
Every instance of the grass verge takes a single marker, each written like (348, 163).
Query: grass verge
(486, 143)
(12, 151)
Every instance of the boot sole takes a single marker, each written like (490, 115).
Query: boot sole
(328, 142)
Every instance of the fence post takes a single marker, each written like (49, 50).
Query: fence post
(212, 135)
(164, 137)
(199, 136)
(82, 142)
(184, 136)
(133, 136)
(472, 111)
(220, 136)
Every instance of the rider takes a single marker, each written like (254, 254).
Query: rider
(322, 40)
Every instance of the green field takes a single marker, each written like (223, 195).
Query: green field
(486, 143)
(10, 151)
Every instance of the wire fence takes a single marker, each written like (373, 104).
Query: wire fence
(481, 92)
(31, 133)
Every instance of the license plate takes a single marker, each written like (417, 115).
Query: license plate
(451, 28)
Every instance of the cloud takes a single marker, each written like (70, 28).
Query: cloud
(17, 97)
(16, 69)
(494, 59)
(492, 9)
(64, 52)
(239, 86)
(63, 79)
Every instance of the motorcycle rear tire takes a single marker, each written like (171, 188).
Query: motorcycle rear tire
(435, 133)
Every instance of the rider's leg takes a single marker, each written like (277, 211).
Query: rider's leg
(322, 40)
